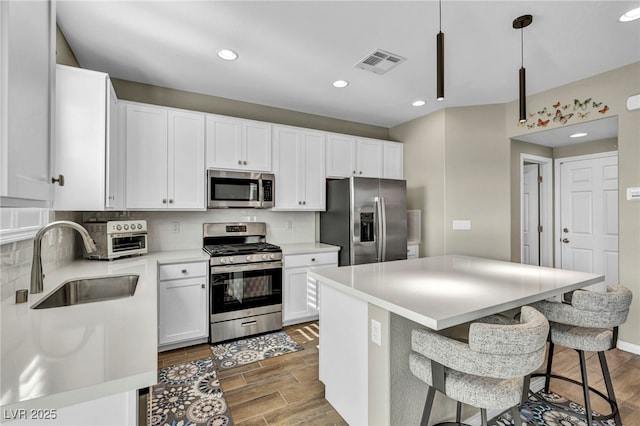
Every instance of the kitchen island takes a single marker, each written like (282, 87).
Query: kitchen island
(102, 351)
(367, 313)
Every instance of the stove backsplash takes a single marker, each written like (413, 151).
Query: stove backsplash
(183, 230)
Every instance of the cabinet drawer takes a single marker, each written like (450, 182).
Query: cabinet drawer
(310, 259)
(183, 270)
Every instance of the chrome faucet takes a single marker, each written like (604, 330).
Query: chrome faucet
(37, 276)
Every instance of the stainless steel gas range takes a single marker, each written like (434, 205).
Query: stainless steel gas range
(246, 280)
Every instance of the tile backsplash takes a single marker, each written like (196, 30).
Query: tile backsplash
(58, 249)
(183, 230)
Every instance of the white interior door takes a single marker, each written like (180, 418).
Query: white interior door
(589, 216)
(531, 215)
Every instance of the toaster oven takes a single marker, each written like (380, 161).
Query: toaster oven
(117, 238)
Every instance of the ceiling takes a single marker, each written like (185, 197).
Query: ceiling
(290, 52)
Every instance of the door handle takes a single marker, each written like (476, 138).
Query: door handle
(565, 230)
(565, 240)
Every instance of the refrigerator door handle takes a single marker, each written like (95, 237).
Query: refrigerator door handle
(378, 228)
(383, 228)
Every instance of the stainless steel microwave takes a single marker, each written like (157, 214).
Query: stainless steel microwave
(240, 189)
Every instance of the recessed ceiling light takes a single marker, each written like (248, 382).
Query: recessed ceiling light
(227, 54)
(419, 102)
(578, 135)
(631, 15)
(340, 83)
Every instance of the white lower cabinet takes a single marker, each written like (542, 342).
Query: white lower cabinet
(300, 300)
(413, 251)
(183, 305)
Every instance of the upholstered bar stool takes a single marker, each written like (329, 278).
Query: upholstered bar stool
(589, 323)
(490, 372)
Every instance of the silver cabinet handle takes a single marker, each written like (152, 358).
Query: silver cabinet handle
(244, 162)
(360, 172)
(240, 162)
(184, 271)
(202, 285)
(313, 259)
(164, 201)
(171, 201)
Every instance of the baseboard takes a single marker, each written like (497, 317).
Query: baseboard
(537, 383)
(629, 347)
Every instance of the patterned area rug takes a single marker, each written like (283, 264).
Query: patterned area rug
(539, 413)
(188, 394)
(253, 349)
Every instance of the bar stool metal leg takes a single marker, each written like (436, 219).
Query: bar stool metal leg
(431, 393)
(585, 388)
(549, 362)
(515, 413)
(609, 385)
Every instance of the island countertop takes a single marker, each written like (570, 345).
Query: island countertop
(443, 291)
(52, 358)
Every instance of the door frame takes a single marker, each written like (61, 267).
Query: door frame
(557, 162)
(546, 206)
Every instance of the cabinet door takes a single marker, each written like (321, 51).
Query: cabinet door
(369, 158)
(182, 310)
(27, 73)
(224, 142)
(341, 153)
(114, 154)
(286, 150)
(186, 171)
(81, 137)
(256, 136)
(295, 297)
(312, 171)
(146, 147)
(393, 161)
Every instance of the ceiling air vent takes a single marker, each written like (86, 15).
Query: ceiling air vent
(380, 61)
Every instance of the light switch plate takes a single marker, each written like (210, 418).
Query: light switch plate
(462, 225)
(633, 194)
(376, 332)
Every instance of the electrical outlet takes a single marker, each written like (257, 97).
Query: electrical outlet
(175, 227)
(289, 225)
(462, 225)
(376, 332)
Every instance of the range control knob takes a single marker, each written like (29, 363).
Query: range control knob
(272, 256)
(248, 258)
(139, 226)
(119, 227)
(265, 257)
(126, 226)
(231, 260)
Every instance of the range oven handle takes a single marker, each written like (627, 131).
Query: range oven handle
(222, 269)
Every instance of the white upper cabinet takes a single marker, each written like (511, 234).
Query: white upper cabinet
(27, 75)
(351, 156)
(393, 160)
(88, 151)
(236, 144)
(369, 157)
(299, 169)
(165, 158)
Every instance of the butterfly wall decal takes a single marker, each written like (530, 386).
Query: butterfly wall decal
(542, 123)
(583, 114)
(543, 112)
(531, 126)
(562, 119)
(583, 105)
(565, 106)
(597, 104)
(604, 109)
(556, 105)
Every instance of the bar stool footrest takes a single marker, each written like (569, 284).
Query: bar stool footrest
(595, 416)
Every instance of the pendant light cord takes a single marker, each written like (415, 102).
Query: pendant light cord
(440, 13)
(522, 47)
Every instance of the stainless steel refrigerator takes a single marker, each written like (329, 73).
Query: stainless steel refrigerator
(367, 218)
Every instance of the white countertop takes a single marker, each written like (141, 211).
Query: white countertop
(440, 292)
(304, 248)
(51, 358)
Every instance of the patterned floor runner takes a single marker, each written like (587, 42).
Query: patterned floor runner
(188, 393)
(253, 349)
(539, 413)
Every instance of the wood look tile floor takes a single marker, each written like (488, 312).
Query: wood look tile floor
(286, 391)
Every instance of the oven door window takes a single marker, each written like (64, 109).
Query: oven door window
(223, 189)
(232, 291)
(128, 243)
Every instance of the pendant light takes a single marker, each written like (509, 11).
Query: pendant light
(519, 23)
(440, 58)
